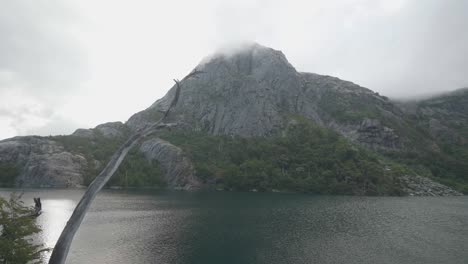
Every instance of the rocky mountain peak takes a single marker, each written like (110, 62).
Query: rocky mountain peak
(253, 90)
(247, 59)
(243, 91)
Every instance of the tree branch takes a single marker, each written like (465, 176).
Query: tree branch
(60, 251)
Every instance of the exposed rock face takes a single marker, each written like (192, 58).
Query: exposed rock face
(42, 162)
(256, 92)
(445, 116)
(112, 129)
(107, 130)
(177, 168)
(422, 186)
(84, 133)
(234, 95)
(375, 135)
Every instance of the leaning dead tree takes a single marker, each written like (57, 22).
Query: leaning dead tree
(60, 251)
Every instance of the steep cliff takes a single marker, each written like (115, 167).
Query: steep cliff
(43, 162)
(255, 95)
(256, 92)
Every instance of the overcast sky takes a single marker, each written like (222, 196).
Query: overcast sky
(70, 64)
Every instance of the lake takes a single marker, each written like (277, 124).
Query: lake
(229, 227)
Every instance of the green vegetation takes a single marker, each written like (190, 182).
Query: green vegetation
(443, 158)
(449, 165)
(17, 225)
(151, 115)
(442, 148)
(136, 171)
(347, 107)
(307, 159)
(98, 149)
(8, 173)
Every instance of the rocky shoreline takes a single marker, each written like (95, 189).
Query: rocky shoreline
(422, 186)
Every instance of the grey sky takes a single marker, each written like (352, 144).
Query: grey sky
(77, 63)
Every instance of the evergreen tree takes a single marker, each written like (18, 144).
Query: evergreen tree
(17, 225)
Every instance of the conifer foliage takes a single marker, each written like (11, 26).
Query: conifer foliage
(17, 227)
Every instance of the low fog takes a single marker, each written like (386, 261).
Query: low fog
(70, 64)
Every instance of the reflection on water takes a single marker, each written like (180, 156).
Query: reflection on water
(53, 219)
(126, 228)
(57, 206)
(224, 227)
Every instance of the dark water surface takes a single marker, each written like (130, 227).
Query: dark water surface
(226, 227)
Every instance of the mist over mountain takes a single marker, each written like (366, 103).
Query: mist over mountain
(251, 121)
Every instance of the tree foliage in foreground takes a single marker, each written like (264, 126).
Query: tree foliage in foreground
(17, 226)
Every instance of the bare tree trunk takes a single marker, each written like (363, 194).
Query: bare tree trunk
(60, 251)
